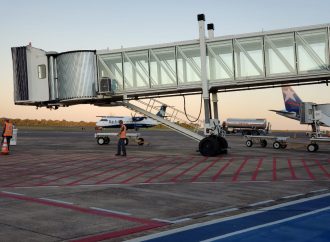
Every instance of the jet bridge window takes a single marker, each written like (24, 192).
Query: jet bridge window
(42, 71)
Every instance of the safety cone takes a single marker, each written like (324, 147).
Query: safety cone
(4, 149)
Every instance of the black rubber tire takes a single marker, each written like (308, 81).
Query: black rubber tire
(107, 140)
(317, 147)
(100, 140)
(140, 141)
(283, 146)
(249, 143)
(276, 145)
(209, 146)
(222, 145)
(312, 147)
(126, 141)
(263, 143)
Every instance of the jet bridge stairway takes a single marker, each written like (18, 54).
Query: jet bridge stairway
(169, 122)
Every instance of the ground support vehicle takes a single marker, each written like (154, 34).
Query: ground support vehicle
(277, 141)
(104, 138)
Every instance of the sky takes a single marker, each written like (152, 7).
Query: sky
(65, 25)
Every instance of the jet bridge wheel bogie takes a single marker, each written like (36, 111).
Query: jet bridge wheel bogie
(209, 146)
(222, 145)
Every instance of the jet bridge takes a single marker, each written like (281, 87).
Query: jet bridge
(204, 66)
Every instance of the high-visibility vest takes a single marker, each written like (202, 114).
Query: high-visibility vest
(8, 129)
(122, 131)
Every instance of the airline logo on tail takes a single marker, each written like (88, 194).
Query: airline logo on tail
(292, 104)
(291, 100)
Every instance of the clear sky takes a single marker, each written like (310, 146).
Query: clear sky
(63, 25)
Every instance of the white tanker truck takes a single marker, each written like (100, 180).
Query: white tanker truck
(246, 126)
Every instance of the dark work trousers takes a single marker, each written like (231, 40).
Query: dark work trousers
(8, 140)
(121, 146)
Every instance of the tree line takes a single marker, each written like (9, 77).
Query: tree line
(49, 123)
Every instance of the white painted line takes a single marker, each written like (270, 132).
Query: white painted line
(321, 190)
(292, 196)
(260, 203)
(172, 221)
(193, 226)
(14, 193)
(54, 200)
(222, 211)
(162, 220)
(111, 211)
(266, 225)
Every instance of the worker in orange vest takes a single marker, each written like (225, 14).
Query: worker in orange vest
(7, 132)
(122, 138)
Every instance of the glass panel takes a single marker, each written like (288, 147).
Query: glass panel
(312, 50)
(280, 54)
(248, 58)
(42, 73)
(162, 66)
(189, 64)
(136, 69)
(220, 60)
(110, 66)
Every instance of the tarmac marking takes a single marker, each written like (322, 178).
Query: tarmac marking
(143, 172)
(164, 172)
(223, 211)
(293, 196)
(260, 203)
(255, 173)
(238, 171)
(175, 178)
(216, 176)
(146, 223)
(94, 175)
(310, 174)
(123, 172)
(55, 200)
(111, 211)
(43, 176)
(13, 193)
(204, 170)
(75, 173)
(274, 169)
(320, 190)
(322, 168)
(293, 174)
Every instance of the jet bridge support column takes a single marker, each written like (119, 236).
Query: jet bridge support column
(213, 144)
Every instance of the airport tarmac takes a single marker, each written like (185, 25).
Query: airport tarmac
(62, 186)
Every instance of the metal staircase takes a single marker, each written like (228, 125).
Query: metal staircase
(170, 119)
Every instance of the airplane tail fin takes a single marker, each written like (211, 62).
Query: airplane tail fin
(162, 111)
(291, 100)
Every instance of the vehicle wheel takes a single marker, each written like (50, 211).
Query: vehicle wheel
(222, 145)
(317, 147)
(263, 143)
(209, 146)
(276, 145)
(283, 146)
(249, 143)
(100, 141)
(126, 141)
(312, 147)
(106, 140)
(140, 141)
